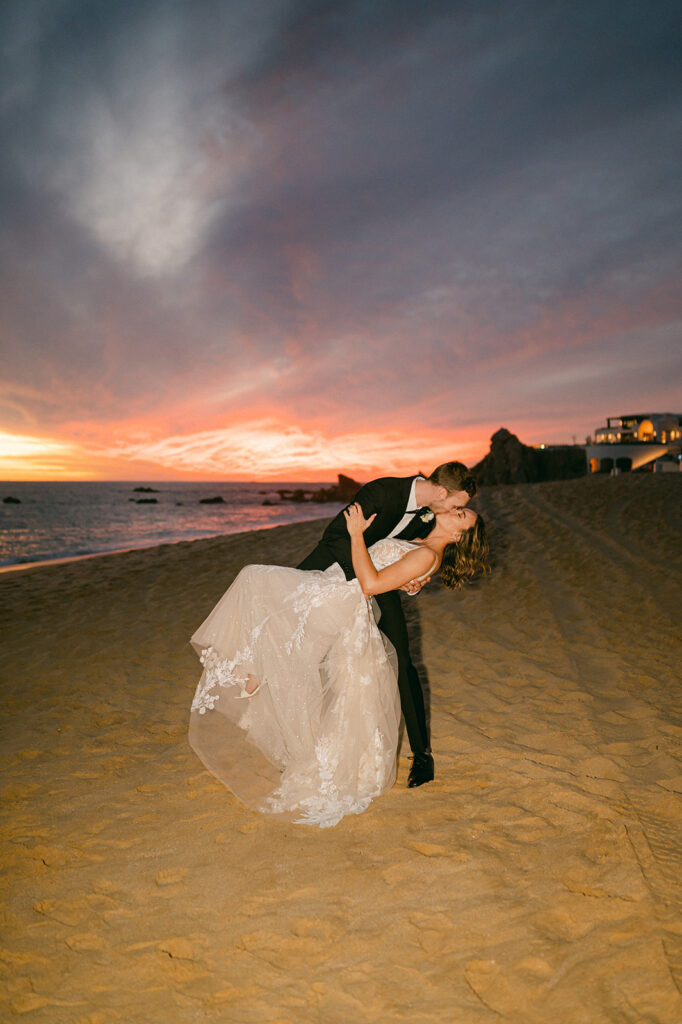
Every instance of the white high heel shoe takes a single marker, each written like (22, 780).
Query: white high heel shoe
(245, 695)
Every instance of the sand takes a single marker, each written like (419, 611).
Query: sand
(538, 879)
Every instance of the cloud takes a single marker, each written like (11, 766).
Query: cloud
(261, 450)
(351, 217)
(126, 119)
(23, 456)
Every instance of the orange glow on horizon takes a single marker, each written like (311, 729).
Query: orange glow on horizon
(266, 450)
(252, 451)
(25, 457)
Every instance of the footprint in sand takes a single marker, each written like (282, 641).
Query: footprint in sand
(95, 827)
(171, 876)
(429, 849)
(493, 987)
(515, 992)
(673, 785)
(28, 1003)
(177, 948)
(87, 942)
(70, 913)
(51, 856)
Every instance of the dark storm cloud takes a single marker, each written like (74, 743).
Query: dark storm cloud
(443, 141)
(279, 203)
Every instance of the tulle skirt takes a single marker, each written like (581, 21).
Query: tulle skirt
(297, 710)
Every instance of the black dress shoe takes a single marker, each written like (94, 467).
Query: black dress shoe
(421, 770)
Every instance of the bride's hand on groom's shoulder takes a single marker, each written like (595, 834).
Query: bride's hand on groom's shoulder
(356, 524)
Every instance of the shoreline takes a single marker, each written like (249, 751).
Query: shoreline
(14, 567)
(45, 521)
(68, 559)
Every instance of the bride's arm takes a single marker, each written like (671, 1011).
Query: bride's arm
(394, 576)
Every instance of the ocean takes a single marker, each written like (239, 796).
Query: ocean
(72, 519)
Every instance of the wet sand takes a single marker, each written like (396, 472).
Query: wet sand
(538, 879)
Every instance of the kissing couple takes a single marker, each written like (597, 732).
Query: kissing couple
(306, 670)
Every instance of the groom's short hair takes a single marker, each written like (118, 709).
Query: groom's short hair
(454, 476)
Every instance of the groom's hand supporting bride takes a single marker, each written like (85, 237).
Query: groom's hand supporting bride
(414, 586)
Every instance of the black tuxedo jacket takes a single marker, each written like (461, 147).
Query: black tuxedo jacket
(388, 498)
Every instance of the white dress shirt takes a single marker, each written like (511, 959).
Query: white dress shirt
(411, 504)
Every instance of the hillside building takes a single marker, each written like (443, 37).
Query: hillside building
(631, 442)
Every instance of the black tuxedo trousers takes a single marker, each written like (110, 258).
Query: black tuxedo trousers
(388, 499)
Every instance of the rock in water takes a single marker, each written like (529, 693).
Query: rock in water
(212, 501)
(345, 490)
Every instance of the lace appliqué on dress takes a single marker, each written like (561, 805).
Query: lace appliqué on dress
(318, 741)
(221, 672)
(311, 594)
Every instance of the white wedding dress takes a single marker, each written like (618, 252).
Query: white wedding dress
(318, 739)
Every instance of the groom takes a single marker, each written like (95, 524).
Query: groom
(404, 508)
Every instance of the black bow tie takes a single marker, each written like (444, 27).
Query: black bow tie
(417, 511)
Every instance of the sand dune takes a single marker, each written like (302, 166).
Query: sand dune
(538, 879)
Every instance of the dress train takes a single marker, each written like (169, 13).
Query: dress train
(297, 710)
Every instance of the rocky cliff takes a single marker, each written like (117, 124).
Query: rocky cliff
(509, 461)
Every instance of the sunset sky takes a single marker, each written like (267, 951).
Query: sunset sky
(277, 239)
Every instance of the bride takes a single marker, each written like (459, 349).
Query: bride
(297, 710)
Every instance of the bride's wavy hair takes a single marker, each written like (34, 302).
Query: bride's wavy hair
(466, 558)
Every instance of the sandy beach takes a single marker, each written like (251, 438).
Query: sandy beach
(538, 879)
